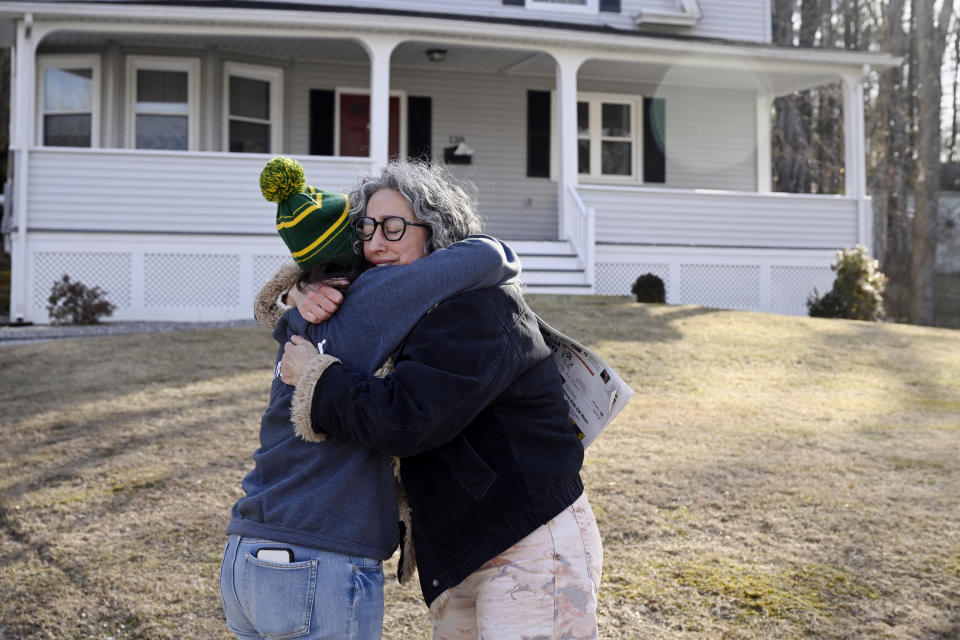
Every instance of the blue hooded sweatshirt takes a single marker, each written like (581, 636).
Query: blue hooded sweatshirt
(338, 495)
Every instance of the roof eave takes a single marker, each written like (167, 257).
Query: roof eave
(440, 26)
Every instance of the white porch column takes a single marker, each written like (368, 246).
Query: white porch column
(380, 49)
(22, 132)
(764, 144)
(855, 154)
(567, 66)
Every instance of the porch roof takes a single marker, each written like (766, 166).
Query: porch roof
(634, 55)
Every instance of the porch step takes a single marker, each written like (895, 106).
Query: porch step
(577, 290)
(550, 267)
(553, 277)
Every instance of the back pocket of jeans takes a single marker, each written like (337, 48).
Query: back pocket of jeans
(279, 597)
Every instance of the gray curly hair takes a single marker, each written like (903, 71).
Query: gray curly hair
(436, 197)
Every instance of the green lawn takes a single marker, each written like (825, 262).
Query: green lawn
(774, 477)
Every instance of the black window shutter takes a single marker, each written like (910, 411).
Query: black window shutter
(516, 2)
(419, 128)
(654, 140)
(321, 122)
(612, 6)
(538, 134)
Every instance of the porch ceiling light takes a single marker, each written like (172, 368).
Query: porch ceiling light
(436, 55)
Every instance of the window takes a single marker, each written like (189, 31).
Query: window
(253, 108)
(607, 136)
(581, 6)
(162, 95)
(68, 101)
(620, 139)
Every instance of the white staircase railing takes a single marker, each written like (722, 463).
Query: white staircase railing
(581, 232)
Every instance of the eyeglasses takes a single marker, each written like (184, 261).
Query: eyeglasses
(392, 227)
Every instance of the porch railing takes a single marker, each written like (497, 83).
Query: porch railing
(700, 217)
(124, 190)
(581, 232)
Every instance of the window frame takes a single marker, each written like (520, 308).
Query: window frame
(91, 61)
(164, 63)
(274, 77)
(589, 7)
(595, 101)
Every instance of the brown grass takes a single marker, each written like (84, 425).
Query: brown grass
(774, 477)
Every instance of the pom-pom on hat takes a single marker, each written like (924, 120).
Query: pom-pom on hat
(312, 222)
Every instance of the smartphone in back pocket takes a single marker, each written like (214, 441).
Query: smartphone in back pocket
(275, 555)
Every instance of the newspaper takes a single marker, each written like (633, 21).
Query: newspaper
(595, 392)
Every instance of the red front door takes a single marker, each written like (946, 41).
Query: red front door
(355, 125)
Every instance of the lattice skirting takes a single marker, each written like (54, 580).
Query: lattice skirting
(765, 282)
(191, 278)
(108, 270)
(177, 279)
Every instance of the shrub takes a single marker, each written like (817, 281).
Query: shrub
(75, 303)
(857, 292)
(649, 288)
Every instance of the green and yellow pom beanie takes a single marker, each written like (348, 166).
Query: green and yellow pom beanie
(313, 223)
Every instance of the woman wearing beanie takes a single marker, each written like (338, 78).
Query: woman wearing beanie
(506, 543)
(307, 540)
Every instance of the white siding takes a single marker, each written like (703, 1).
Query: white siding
(728, 19)
(666, 217)
(711, 139)
(490, 113)
(711, 134)
(746, 20)
(168, 192)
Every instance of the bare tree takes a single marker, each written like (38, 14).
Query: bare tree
(792, 138)
(931, 40)
(836, 31)
(903, 124)
(889, 178)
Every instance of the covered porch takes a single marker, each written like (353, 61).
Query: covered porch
(649, 146)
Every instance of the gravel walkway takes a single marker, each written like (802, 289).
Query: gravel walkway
(11, 335)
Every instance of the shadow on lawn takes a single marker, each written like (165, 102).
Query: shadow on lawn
(65, 467)
(37, 378)
(117, 505)
(913, 359)
(665, 321)
(632, 322)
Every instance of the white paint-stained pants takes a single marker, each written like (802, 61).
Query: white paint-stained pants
(543, 587)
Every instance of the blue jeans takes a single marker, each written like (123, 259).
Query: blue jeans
(319, 595)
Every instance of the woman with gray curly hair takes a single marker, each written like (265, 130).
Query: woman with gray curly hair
(506, 543)
(448, 207)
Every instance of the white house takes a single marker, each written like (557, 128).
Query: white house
(609, 138)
